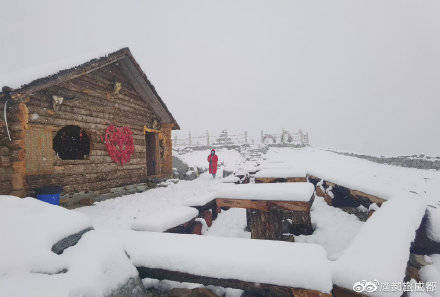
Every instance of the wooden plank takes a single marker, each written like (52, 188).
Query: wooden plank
(260, 289)
(263, 204)
(370, 197)
(342, 292)
(280, 179)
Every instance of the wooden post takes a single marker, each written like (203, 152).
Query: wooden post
(265, 224)
(19, 165)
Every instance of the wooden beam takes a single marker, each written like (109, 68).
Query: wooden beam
(264, 204)
(280, 179)
(372, 198)
(342, 292)
(268, 290)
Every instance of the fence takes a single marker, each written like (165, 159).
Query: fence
(209, 139)
(286, 137)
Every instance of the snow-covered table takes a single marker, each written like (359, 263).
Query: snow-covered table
(268, 205)
(291, 269)
(282, 174)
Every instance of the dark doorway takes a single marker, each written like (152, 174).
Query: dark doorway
(151, 153)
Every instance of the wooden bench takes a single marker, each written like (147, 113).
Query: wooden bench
(354, 194)
(280, 175)
(269, 205)
(381, 249)
(262, 267)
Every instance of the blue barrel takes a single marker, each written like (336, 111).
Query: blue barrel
(49, 194)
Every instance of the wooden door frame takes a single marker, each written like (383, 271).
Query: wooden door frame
(156, 152)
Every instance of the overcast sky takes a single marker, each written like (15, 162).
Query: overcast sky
(358, 75)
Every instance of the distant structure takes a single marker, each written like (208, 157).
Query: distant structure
(297, 139)
(224, 139)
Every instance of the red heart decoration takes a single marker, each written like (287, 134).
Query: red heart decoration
(119, 143)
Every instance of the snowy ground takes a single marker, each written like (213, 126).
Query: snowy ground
(120, 213)
(230, 158)
(161, 208)
(334, 229)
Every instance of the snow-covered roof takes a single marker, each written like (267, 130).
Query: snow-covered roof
(54, 74)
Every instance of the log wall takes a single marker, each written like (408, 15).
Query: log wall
(90, 103)
(5, 158)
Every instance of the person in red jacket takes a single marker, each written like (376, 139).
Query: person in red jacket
(213, 159)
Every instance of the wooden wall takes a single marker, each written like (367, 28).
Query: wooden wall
(90, 103)
(5, 158)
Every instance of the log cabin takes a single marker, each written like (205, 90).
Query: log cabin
(97, 130)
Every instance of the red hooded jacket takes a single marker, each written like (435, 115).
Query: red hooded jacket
(213, 160)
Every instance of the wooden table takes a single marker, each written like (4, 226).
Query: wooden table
(280, 175)
(272, 209)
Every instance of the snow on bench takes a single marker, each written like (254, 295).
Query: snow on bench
(231, 179)
(281, 172)
(211, 260)
(275, 192)
(381, 249)
(165, 220)
(288, 174)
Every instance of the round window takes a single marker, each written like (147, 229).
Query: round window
(71, 143)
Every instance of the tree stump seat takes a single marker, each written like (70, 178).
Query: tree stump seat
(269, 205)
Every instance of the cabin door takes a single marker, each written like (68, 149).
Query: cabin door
(151, 141)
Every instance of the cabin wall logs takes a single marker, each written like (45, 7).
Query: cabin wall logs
(6, 169)
(90, 103)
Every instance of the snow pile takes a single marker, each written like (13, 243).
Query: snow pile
(275, 191)
(29, 228)
(231, 179)
(381, 249)
(297, 265)
(334, 229)
(120, 213)
(162, 221)
(431, 273)
(230, 223)
(434, 223)
(95, 266)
